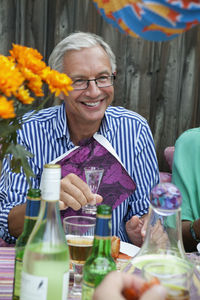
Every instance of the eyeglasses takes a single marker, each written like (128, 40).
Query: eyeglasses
(101, 82)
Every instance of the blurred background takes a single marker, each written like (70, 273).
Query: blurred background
(159, 80)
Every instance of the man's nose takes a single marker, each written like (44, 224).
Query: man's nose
(93, 90)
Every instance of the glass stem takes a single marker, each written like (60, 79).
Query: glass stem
(78, 275)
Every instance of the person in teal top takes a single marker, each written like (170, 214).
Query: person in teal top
(186, 176)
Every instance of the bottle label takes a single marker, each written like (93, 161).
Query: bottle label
(33, 287)
(103, 226)
(36, 287)
(65, 285)
(32, 208)
(87, 291)
(18, 272)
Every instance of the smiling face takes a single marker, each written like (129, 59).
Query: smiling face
(86, 108)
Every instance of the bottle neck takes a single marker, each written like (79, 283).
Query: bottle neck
(49, 226)
(164, 233)
(31, 216)
(102, 238)
(52, 214)
(32, 208)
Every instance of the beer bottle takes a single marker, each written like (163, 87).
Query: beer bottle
(32, 210)
(100, 262)
(45, 272)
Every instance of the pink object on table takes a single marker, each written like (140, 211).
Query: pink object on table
(165, 177)
(169, 155)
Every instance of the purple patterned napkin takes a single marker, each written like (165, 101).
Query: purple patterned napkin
(116, 184)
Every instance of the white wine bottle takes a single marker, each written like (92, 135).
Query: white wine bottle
(45, 272)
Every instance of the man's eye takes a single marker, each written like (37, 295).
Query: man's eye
(102, 78)
(79, 82)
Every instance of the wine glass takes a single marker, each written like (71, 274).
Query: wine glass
(93, 177)
(79, 231)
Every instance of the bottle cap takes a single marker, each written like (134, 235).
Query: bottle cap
(50, 182)
(166, 196)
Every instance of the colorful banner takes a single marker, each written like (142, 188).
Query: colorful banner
(154, 20)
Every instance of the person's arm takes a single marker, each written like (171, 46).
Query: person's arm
(146, 176)
(185, 175)
(12, 199)
(190, 243)
(13, 191)
(16, 220)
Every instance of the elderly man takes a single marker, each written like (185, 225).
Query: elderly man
(90, 62)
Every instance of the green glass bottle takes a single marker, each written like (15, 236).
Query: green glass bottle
(45, 271)
(31, 215)
(100, 261)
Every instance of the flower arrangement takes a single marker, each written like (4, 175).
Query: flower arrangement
(23, 78)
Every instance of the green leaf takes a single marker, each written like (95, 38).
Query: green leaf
(20, 160)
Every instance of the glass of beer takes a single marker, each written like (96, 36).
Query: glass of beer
(176, 278)
(79, 231)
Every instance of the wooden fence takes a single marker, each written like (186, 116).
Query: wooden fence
(159, 80)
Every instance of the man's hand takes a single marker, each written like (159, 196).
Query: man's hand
(115, 283)
(136, 229)
(158, 236)
(75, 193)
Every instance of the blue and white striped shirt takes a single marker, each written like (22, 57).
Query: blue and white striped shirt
(46, 135)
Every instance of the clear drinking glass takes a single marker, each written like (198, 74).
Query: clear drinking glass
(93, 177)
(79, 231)
(194, 257)
(176, 278)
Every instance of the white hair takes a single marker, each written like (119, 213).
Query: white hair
(77, 41)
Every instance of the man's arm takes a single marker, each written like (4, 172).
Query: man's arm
(190, 244)
(146, 176)
(16, 220)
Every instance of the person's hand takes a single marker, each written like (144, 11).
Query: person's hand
(158, 236)
(75, 193)
(116, 282)
(136, 229)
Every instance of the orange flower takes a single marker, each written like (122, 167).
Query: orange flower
(24, 96)
(6, 108)
(36, 87)
(28, 58)
(10, 77)
(58, 82)
(34, 82)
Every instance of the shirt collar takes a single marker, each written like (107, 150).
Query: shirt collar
(106, 128)
(61, 128)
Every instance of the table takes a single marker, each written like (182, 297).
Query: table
(7, 257)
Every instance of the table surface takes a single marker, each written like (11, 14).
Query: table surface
(7, 257)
